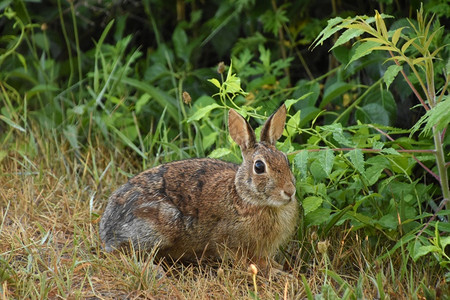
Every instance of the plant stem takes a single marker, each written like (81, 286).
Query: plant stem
(440, 162)
(357, 101)
(66, 39)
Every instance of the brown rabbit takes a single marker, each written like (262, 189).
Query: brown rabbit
(191, 208)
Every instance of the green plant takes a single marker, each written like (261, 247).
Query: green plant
(417, 53)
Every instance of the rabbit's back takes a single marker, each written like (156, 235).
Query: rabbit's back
(177, 206)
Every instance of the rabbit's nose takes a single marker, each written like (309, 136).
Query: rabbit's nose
(289, 190)
(288, 193)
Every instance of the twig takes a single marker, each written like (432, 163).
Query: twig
(415, 158)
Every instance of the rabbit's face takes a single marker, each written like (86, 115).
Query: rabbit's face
(265, 178)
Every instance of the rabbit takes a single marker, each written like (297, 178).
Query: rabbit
(195, 208)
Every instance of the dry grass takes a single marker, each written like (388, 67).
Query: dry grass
(49, 211)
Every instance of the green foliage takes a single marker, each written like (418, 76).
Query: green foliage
(88, 76)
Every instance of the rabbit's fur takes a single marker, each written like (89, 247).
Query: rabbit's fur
(190, 208)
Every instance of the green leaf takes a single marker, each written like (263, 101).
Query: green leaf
(407, 44)
(445, 241)
(292, 124)
(363, 49)
(317, 217)
(180, 43)
(373, 113)
(128, 142)
(381, 26)
(338, 134)
(311, 203)
(142, 102)
(347, 36)
(333, 91)
(424, 250)
(309, 294)
(438, 116)
(12, 123)
(215, 82)
(391, 151)
(327, 31)
(373, 173)
(202, 112)
(273, 20)
(390, 74)
(301, 162)
(388, 221)
(327, 159)
(160, 96)
(357, 159)
(396, 35)
(386, 48)
(209, 139)
(219, 153)
(232, 85)
(291, 102)
(71, 134)
(317, 171)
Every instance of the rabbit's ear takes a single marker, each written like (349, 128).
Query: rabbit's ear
(240, 130)
(274, 126)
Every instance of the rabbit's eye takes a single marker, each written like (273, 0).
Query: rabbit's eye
(260, 167)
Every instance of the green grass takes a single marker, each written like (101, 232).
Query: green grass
(50, 205)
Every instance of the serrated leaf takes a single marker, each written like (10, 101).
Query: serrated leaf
(347, 36)
(373, 173)
(391, 151)
(438, 116)
(327, 31)
(301, 162)
(357, 159)
(311, 203)
(338, 134)
(202, 112)
(390, 74)
(326, 160)
(363, 49)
